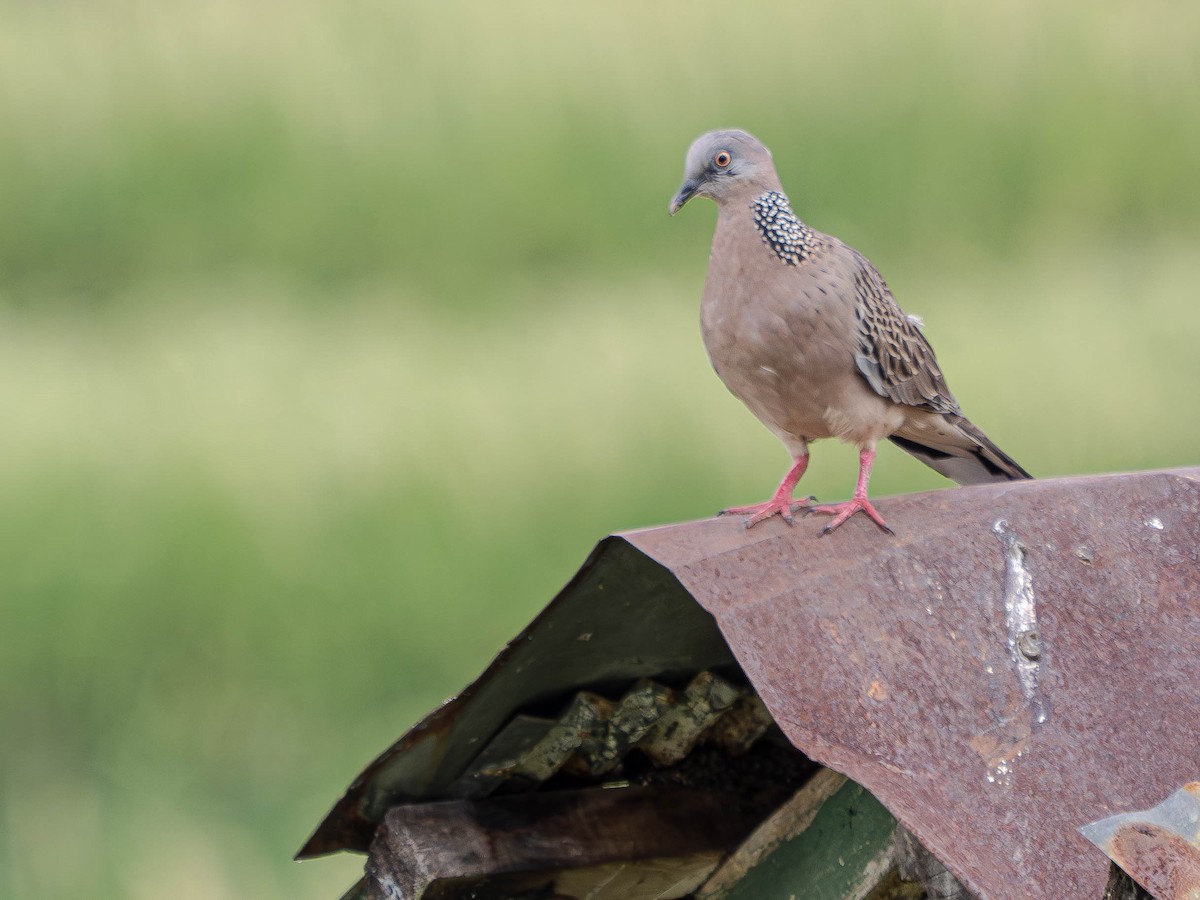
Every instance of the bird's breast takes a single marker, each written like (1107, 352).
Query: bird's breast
(781, 337)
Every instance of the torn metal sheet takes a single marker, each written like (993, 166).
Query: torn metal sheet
(993, 686)
(1159, 847)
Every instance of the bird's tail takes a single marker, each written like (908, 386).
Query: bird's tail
(960, 451)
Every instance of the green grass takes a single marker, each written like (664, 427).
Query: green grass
(458, 147)
(332, 339)
(245, 546)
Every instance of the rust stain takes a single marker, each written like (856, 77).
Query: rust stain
(1158, 859)
(878, 690)
(999, 749)
(1158, 847)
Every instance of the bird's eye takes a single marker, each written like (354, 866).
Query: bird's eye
(722, 159)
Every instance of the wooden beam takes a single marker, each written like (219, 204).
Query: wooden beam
(420, 845)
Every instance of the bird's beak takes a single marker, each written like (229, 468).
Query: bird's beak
(686, 191)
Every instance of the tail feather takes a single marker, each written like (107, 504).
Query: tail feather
(961, 452)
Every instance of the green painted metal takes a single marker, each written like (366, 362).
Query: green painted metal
(842, 854)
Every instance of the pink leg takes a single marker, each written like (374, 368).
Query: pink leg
(859, 503)
(780, 504)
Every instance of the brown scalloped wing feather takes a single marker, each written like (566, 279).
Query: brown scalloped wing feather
(893, 354)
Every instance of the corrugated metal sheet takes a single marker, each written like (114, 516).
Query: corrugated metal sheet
(1018, 662)
(901, 662)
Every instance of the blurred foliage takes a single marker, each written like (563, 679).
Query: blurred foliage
(333, 336)
(460, 146)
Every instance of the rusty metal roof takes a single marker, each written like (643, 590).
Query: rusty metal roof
(1018, 662)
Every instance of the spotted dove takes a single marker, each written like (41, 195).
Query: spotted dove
(804, 331)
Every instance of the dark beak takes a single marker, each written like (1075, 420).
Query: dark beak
(686, 191)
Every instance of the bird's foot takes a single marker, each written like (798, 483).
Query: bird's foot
(843, 511)
(784, 507)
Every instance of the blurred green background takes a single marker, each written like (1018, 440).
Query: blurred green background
(335, 335)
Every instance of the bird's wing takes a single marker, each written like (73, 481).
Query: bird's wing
(897, 361)
(892, 354)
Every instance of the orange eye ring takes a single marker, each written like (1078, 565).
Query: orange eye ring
(722, 159)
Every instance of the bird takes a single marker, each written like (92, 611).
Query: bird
(802, 329)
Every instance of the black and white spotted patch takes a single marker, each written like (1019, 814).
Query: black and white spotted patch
(792, 240)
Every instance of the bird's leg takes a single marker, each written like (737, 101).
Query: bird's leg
(843, 511)
(780, 504)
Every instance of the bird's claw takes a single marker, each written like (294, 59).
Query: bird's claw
(784, 507)
(843, 511)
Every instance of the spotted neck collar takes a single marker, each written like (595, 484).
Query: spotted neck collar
(790, 239)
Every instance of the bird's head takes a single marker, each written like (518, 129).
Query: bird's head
(723, 164)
